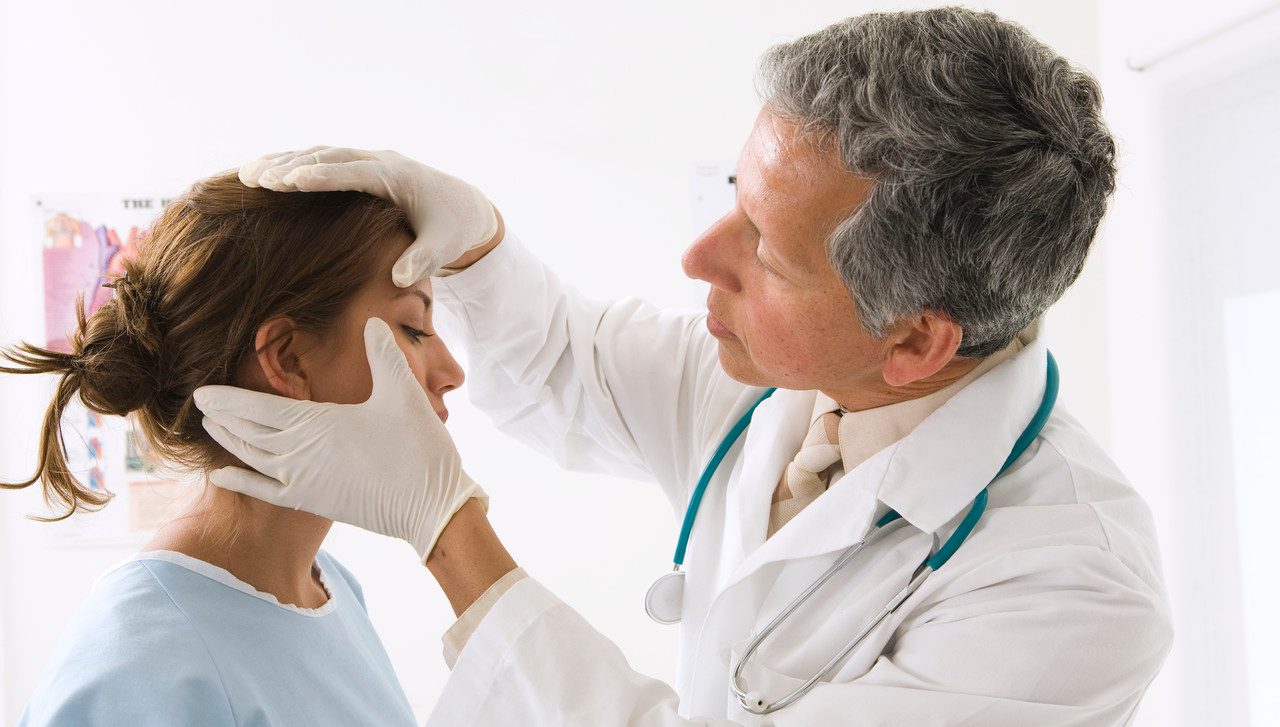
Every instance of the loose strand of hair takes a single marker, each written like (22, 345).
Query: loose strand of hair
(59, 484)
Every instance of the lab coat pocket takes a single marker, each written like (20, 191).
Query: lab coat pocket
(757, 680)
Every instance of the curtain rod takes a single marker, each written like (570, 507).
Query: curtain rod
(1145, 61)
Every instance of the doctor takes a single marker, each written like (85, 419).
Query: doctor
(917, 190)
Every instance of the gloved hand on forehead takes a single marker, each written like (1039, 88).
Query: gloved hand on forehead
(448, 215)
(387, 465)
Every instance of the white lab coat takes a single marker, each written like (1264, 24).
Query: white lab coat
(1052, 613)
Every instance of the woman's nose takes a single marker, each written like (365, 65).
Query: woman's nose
(445, 375)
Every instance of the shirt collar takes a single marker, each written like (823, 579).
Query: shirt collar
(937, 470)
(863, 433)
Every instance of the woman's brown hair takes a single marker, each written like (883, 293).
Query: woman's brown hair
(218, 262)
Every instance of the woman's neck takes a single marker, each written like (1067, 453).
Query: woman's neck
(271, 548)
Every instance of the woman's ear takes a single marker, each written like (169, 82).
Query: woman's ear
(278, 347)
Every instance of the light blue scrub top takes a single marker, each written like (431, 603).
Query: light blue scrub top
(165, 639)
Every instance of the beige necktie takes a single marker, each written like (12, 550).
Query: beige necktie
(806, 476)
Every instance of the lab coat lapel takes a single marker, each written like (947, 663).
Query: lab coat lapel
(840, 517)
(777, 430)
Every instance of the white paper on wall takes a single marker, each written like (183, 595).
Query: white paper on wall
(714, 189)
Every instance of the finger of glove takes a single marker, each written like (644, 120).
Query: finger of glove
(357, 176)
(418, 262)
(257, 458)
(278, 174)
(277, 412)
(393, 381)
(250, 172)
(253, 484)
(272, 177)
(267, 439)
(340, 154)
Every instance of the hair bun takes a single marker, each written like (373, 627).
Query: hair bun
(117, 350)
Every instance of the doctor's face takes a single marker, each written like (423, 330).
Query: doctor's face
(781, 314)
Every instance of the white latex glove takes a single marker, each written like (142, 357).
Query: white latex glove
(387, 465)
(448, 215)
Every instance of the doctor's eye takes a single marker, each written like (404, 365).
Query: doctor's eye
(761, 263)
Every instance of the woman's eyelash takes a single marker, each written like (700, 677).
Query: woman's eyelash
(415, 333)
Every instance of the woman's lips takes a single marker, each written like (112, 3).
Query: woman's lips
(443, 414)
(717, 328)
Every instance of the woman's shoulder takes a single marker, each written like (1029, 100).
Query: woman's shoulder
(132, 600)
(127, 638)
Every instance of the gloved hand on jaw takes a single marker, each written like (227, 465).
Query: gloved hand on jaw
(387, 465)
(449, 216)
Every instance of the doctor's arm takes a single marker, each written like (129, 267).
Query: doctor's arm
(1043, 637)
(608, 386)
(533, 660)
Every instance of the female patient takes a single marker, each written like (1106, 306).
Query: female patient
(231, 614)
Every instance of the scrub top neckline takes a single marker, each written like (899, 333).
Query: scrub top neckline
(223, 576)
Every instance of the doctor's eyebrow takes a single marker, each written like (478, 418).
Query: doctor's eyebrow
(426, 299)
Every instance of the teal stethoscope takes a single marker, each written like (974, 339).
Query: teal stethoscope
(664, 601)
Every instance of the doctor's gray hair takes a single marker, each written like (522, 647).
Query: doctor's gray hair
(990, 162)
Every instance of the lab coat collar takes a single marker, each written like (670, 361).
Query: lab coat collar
(928, 477)
(775, 435)
(938, 469)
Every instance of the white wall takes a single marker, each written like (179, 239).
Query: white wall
(1191, 232)
(581, 120)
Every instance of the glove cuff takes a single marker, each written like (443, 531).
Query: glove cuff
(467, 489)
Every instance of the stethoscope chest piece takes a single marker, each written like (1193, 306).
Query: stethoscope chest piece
(665, 600)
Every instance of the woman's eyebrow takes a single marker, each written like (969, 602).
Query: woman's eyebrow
(426, 299)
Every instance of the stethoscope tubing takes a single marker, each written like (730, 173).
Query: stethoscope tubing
(756, 704)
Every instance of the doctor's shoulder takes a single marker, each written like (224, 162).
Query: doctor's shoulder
(1059, 588)
(1065, 525)
(1068, 495)
(129, 657)
(1098, 492)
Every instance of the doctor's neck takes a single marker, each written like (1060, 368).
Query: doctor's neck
(271, 548)
(873, 391)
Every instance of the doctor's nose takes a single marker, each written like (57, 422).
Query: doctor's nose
(712, 257)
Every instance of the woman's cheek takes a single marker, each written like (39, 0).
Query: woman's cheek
(417, 358)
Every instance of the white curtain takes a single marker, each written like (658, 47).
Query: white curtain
(1195, 286)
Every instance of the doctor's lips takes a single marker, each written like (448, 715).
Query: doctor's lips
(717, 328)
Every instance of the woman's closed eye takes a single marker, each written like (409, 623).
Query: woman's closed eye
(416, 334)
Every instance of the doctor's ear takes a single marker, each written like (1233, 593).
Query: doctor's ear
(920, 346)
(278, 351)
